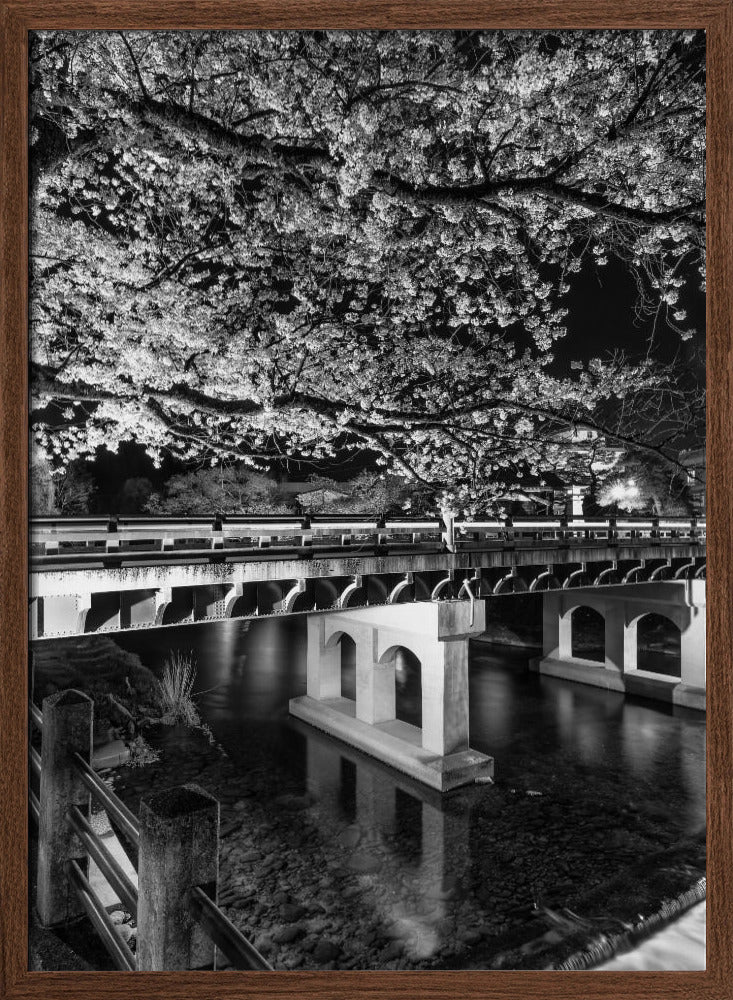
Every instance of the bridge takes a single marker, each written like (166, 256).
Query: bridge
(112, 574)
(416, 587)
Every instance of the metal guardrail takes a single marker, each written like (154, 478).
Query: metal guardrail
(84, 540)
(240, 952)
(119, 950)
(112, 805)
(104, 859)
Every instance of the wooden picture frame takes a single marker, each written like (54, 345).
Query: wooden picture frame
(21, 16)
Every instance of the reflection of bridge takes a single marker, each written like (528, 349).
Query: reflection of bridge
(97, 574)
(397, 588)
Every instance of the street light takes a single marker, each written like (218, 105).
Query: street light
(623, 492)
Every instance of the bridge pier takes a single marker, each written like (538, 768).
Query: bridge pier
(436, 633)
(622, 607)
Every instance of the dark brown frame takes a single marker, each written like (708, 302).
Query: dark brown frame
(18, 18)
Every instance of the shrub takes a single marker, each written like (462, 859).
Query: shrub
(176, 690)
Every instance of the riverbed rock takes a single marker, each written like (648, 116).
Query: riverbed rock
(288, 934)
(290, 912)
(326, 951)
(350, 837)
(364, 864)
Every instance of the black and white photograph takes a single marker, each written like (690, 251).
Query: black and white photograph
(367, 500)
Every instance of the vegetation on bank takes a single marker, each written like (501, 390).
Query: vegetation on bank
(128, 697)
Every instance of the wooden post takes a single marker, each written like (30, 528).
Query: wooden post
(179, 849)
(67, 727)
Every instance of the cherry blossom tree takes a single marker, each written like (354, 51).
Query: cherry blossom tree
(252, 244)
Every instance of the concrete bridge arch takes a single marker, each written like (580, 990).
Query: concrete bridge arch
(682, 602)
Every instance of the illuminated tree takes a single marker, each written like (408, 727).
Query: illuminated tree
(222, 490)
(264, 243)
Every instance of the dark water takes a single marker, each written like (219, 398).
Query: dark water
(588, 782)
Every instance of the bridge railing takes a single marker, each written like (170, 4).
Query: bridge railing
(174, 846)
(116, 535)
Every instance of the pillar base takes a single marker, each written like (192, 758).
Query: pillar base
(395, 743)
(581, 671)
(642, 683)
(688, 696)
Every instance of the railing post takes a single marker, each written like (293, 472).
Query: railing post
(449, 533)
(179, 849)
(67, 727)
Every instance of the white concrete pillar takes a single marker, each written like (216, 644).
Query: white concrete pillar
(692, 648)
(323, 663)
(375, 681)
(445, 698)
(564, 634)
(615, 637)
(631, 646)
(551, 626)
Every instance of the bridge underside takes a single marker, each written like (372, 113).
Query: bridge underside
(110, 598)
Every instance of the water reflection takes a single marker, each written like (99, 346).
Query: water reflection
(426, 864)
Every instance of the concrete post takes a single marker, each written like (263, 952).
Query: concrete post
(67, 727)
(615, 637)
(323, 663)
(551, 619)
(631, 649)
(692, 648)
(179, 849)
(564, 631)
(375, 681)
(445, 698)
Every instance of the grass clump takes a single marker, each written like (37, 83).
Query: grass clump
(176, 690)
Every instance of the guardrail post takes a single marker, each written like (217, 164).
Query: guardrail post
(67, 727)
(179, 849)
(449, 532)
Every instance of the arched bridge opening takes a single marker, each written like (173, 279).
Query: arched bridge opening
(588, 634)
(408, 686)
(348, 666)
(658, 645)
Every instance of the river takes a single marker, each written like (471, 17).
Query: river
(596, 815)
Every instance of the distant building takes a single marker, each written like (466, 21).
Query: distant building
(312, 496)
(694, 461)
(582, 441)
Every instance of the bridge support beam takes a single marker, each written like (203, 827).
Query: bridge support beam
(436, 633)
(682, 602)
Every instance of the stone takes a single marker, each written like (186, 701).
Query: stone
(393, 950)
(326, 951)
(291, 912)
(288, 934)
(364, 864)
(350, 837)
